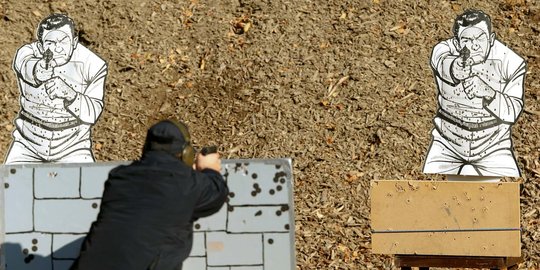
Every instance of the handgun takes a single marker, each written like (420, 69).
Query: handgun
(48, 56)
(209, 150)
(464, 54)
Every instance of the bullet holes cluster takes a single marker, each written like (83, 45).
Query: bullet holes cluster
(241, 167)
(12, 171)
(29, 257)
(279, 180)
(283, 208)
(256, 190)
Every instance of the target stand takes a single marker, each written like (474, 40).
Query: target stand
(424, 262)
(451, 224)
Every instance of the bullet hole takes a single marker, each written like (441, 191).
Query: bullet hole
(29, 258)
(197, 226)
(246, 164)
(254, 176)
(270, 241)
(6, 185)
(94, 205)
(282, 180)
(12, 171)
(272, 192)
(25, 251)
(230, 208)
(284, 208)
(279, 177)
(34, 241)
(286, 226)
(231, 194)
(257, 190)
(279, 188)
(34, 248)
(258, 213)
(237, 167)
(278, 213)
(278, 166)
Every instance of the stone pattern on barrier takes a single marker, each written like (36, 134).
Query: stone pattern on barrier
(49, 208)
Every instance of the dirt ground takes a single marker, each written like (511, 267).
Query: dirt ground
(343, 87)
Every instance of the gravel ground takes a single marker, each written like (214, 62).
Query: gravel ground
(341, 86)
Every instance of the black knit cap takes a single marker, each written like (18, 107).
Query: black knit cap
(165, 136)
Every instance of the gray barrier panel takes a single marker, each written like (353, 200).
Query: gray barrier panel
(47, 210)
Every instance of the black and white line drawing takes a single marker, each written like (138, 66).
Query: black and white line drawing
(61, 86)
(480, 85)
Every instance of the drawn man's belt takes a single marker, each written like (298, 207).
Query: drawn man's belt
(47, 125)
(464, 124)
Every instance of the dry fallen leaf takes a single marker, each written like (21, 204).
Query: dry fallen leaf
(241, 25)
(324, 103)
(98, 146)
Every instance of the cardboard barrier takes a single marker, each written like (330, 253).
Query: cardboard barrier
(445, 218)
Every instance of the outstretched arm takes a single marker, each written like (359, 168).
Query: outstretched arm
(508, 103)
(88, 105)
(30, 66)
(214, 192)
(450, 65)
(213, 189)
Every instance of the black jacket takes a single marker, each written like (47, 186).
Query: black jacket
(147, 213)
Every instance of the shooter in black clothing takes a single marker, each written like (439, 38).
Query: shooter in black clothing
(148, 207)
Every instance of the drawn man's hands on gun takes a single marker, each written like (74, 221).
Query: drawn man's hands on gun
(476, 87)
(43, 70)
(473, 86)
(462, 66)
(461, 70)
(58, 88)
